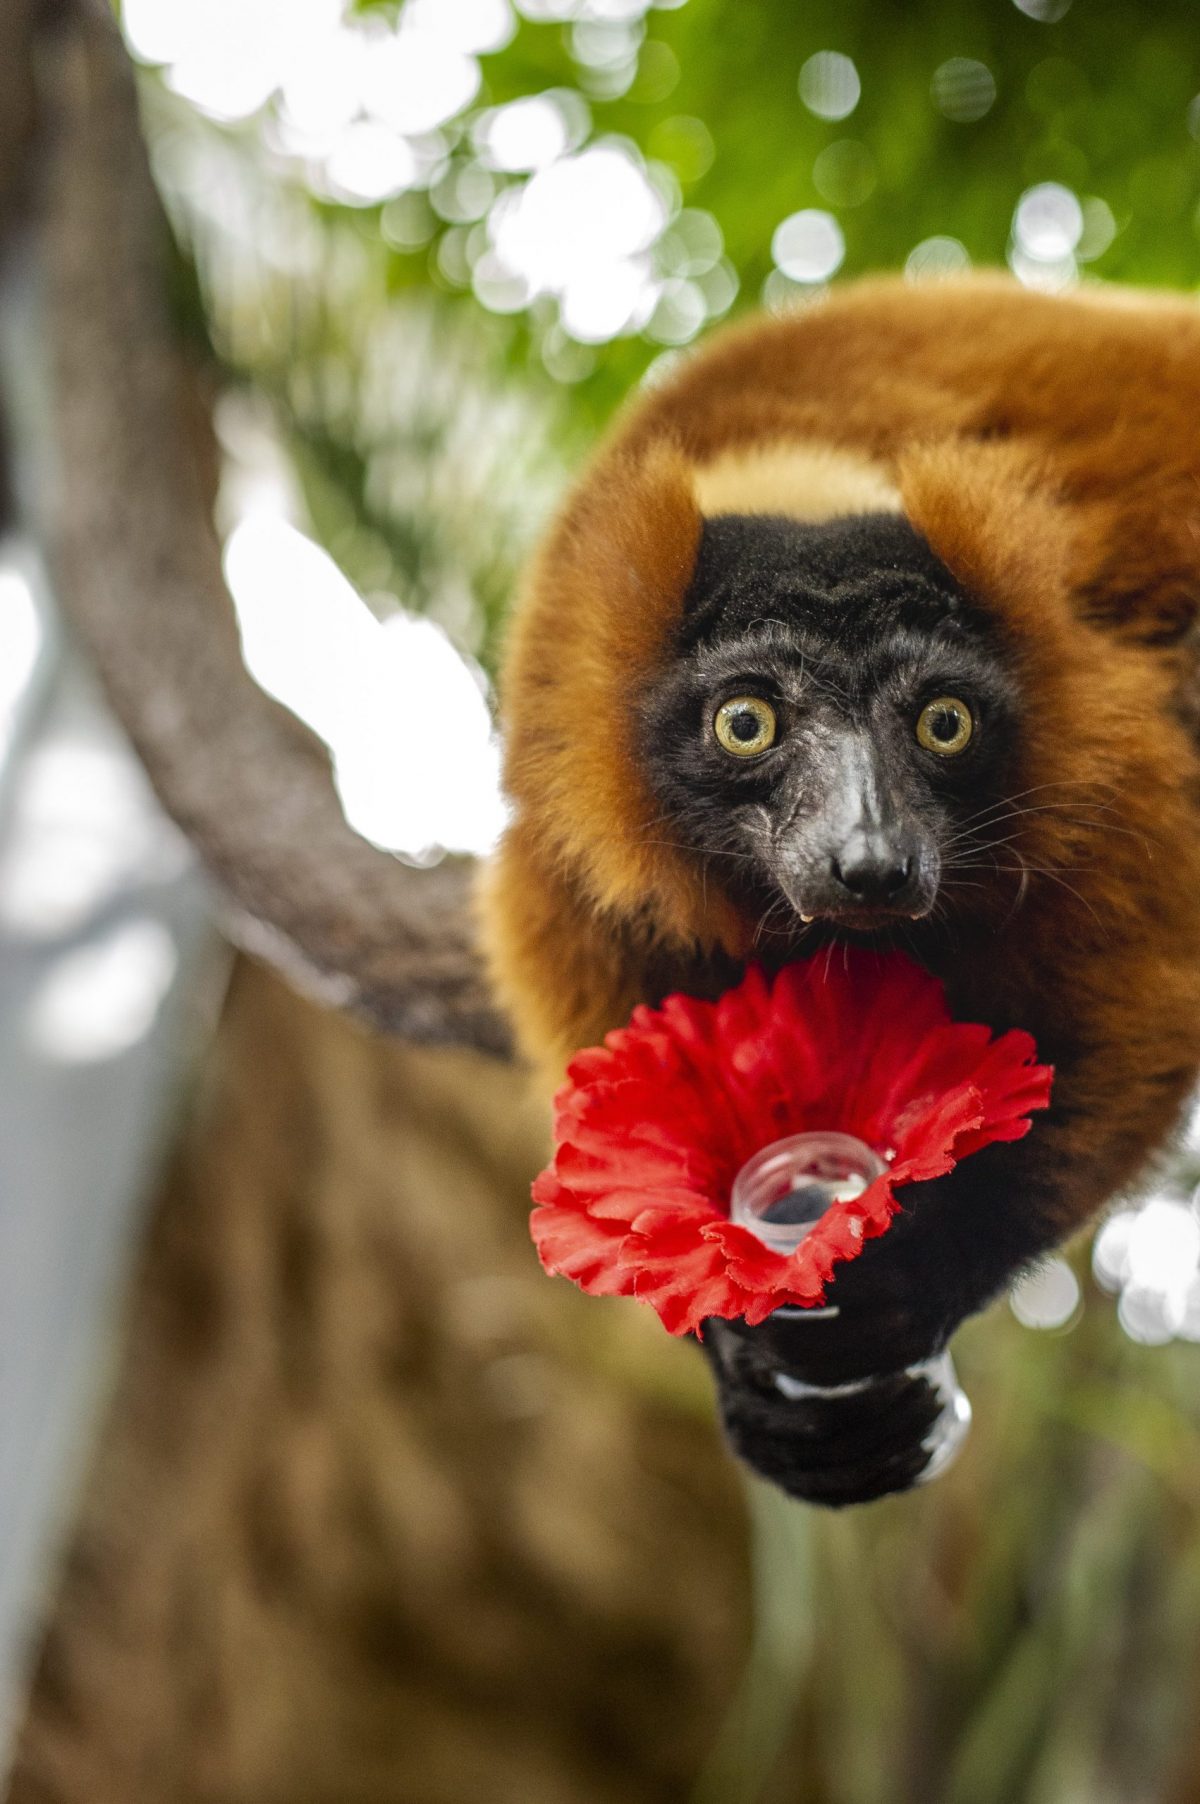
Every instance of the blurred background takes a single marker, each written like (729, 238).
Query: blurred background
(312, 1487)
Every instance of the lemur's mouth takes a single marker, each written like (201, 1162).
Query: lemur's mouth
(861, 920)
(813, 919)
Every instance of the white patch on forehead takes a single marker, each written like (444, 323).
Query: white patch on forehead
(802, 481)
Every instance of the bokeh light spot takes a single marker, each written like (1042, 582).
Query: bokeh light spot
(566, 360)
(686, 144)
(596, 309)
(680, 313)
(369, 163)
(963, 90)
(844, 173)
(829, 85)
(780, 294)
(1046, 12)
(691, 245)
(1047, 1297)
(1164, 1244)
(658, 74)
(619, 12)
(606, 44)
(1047, 226)
(452, 259)
(275, 44)
(463, 193)
(719, 287)
(1147, 1316)
(808, 246)
(1048, 222)
(408, 222)
(477, 27)
(1150, 1257)
(497, 287)
(415, 79)
(523, 136)
(1099, 229)
(937, 256)
(548, 11)
(1110, 1250)
(1048, 276)
(581, 230)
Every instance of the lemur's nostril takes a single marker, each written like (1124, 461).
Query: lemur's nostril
(872, 879)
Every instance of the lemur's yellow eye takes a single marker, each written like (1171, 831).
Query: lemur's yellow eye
(945, 726)
(745, 726)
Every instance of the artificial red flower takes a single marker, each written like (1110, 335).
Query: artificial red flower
(652, 1128)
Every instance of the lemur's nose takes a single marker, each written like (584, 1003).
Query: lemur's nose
(872, 874)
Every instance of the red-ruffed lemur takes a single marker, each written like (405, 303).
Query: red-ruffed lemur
(879, 619)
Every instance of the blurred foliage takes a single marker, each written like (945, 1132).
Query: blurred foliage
(425, 462)
(1097, 99)
(705, 96)
(1028, 1628)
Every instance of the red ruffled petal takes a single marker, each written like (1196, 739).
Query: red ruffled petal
(652, 1127)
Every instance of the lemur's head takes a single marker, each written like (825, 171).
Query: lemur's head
(784, 686)
(836, 718)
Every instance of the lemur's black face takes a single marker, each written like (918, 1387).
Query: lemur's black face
(837, 717)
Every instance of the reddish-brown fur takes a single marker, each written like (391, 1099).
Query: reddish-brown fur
(1047, 447)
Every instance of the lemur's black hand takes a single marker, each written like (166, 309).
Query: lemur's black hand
(849, 1447)
(956, 1243)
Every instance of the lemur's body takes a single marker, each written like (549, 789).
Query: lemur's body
(898, 495)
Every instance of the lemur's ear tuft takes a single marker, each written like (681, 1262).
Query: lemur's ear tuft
(993, 519)
(598, 623)
(631, 536)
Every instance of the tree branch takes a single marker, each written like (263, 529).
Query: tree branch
(137, 567)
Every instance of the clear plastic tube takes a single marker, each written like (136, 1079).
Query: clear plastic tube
(779, 1195)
